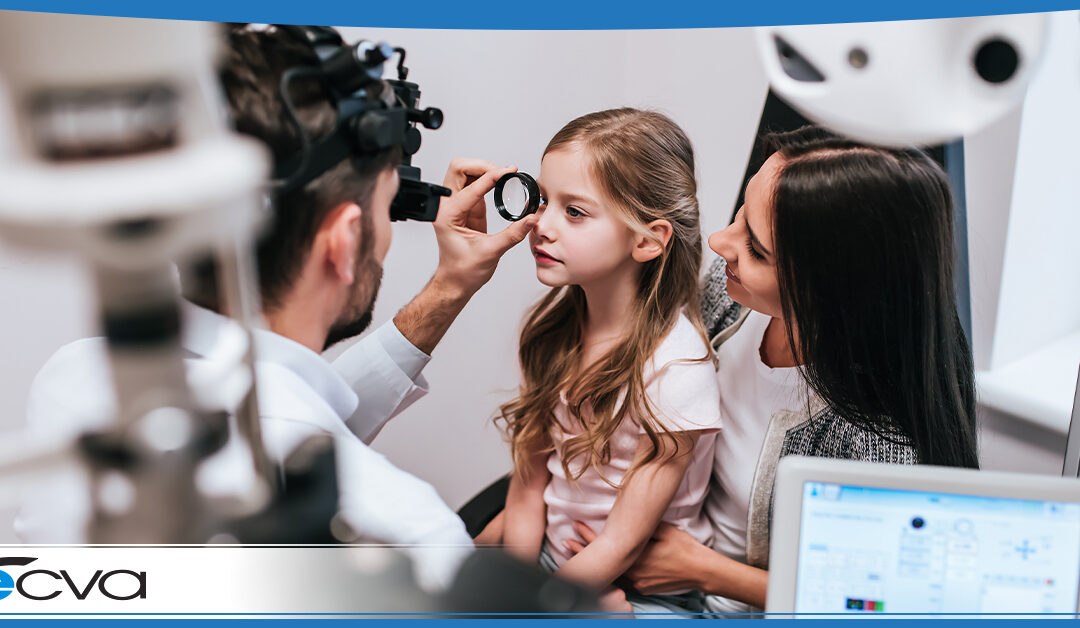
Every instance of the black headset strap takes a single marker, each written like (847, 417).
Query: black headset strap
(330, 150)
(313, 36)
(324, 155)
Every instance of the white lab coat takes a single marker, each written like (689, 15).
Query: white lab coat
(300, 394)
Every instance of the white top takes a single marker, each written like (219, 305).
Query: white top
(685, 398)
(750, 394)
(300, 394)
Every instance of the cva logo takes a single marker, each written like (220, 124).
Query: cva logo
(43, 584)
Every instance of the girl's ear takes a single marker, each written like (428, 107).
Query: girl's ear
(649, 248)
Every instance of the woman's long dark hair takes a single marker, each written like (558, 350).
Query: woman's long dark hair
(864, 256)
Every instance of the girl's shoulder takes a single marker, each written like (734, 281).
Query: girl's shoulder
(718, 310)
(684, 359)
(681, 383)
(683, 342)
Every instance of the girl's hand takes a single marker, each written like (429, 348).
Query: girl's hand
(666, 564)
(614, 601)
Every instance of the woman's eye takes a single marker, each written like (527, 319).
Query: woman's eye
(574, 212)
(754, 253)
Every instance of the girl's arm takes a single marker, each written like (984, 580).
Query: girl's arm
(525, 516)
(676, 560)
(492, 534)
(641, 503)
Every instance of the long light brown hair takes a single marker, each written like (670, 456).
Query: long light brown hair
(644, 164)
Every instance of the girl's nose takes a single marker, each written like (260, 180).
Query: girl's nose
(545, 224)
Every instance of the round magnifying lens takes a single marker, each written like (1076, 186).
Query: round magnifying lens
(516, 195)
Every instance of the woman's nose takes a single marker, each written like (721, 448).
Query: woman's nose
(721, 241)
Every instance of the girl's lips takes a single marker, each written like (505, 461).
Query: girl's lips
(732, 276)
(544, 258)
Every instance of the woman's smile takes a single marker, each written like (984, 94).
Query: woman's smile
(732, 276)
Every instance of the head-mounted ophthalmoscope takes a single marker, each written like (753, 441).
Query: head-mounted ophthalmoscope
(373, 115)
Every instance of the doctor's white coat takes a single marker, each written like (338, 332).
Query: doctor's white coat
(300, 394)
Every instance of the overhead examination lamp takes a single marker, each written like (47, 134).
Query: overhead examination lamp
(373, 115)
(920, 82)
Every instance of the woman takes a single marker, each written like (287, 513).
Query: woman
(833, 313)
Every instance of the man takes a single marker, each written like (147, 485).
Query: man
(319, 266)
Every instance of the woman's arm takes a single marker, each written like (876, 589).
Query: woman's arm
(640, 504)
(675, 560)
(525, 515)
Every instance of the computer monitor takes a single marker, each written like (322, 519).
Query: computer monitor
(867, 539)
(1071, 468)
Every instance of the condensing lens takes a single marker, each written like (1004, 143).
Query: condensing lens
(516, 195)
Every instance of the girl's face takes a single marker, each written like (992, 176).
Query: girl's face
(579, 238)
(747, 245)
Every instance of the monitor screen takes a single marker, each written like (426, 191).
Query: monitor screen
(871, 550)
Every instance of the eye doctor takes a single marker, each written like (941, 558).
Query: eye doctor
(319, 267)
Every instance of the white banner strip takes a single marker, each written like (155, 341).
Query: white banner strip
(209, 580)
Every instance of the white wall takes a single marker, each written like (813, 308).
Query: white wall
(1042, 261)
(1023, 192)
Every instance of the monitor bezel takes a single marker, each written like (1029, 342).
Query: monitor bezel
(794, 471)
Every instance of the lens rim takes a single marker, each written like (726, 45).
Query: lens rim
(531, 189)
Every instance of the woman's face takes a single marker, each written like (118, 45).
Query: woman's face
(747, 244)
(579, 239)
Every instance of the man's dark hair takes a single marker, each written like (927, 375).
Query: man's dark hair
(251, 76)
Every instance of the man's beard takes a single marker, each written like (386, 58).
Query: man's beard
(357, 314)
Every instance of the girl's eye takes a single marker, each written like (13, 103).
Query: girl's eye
(574, 212)
(753, 252)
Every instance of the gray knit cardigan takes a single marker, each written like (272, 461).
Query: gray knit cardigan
(813, 430)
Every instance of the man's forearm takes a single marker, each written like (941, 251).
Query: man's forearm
(426, 318)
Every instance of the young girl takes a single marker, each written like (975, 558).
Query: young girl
(618, 408)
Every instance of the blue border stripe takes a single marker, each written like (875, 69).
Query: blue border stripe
(547, 15)
(780, 616)
(562, 623)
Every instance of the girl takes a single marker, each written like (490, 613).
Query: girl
(619, 408)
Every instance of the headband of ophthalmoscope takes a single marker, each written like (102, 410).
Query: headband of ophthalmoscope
(373, 115)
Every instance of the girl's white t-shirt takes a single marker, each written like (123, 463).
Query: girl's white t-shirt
(685, 397)
(750, 394)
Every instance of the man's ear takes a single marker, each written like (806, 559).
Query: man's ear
(646, 248)
(341, 230)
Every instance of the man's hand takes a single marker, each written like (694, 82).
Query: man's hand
(468, 254)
